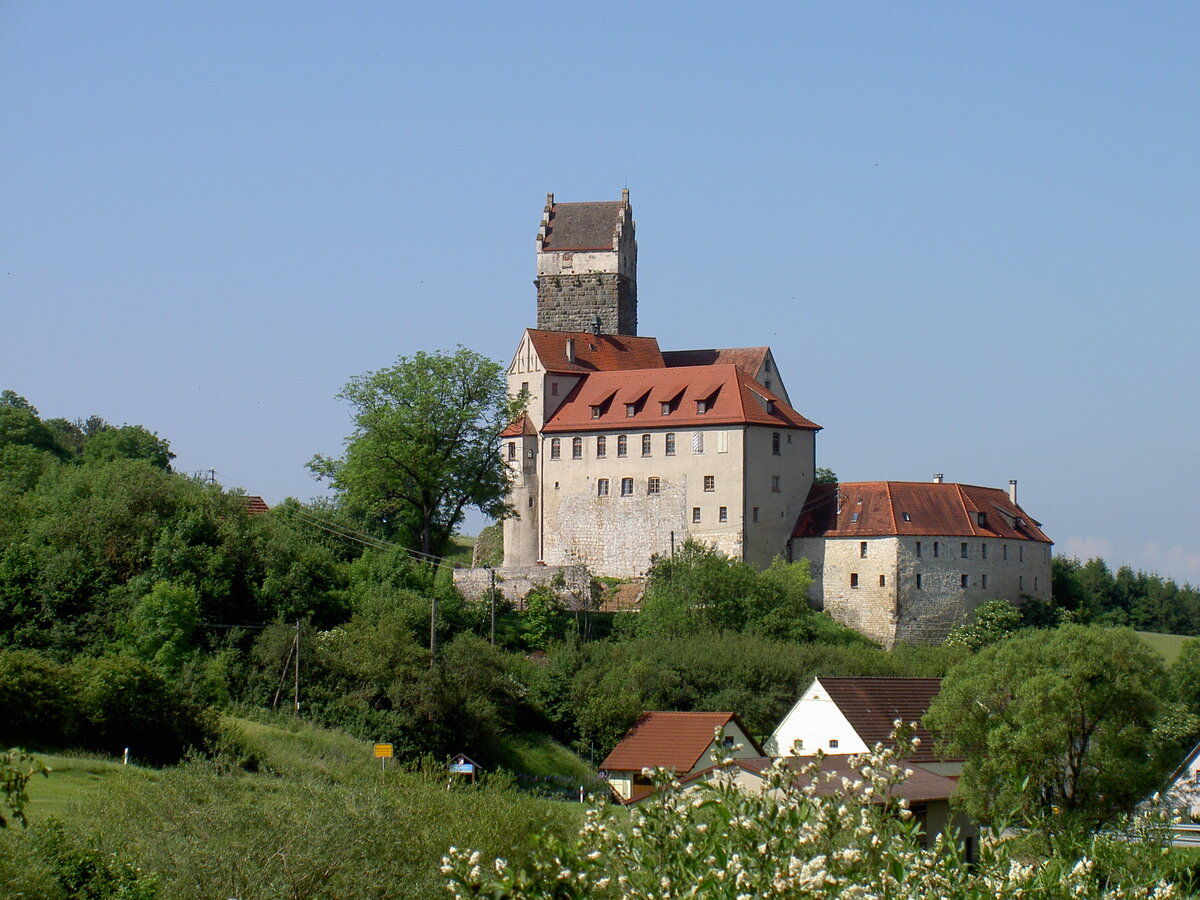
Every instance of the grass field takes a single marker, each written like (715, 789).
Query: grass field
(1168, 645)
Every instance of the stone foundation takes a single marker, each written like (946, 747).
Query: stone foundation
(573, 584)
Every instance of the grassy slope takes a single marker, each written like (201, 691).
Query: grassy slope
(1168, 645)
(321, 820)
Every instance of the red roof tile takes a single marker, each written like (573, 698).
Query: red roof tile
(595, 353)
(670, 740)
(519, 427)
(255, 505)
(872, 706)
(735, 398)
(749, 359)
(932, 509)
(582, 226)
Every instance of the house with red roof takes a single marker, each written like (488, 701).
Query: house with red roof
(907, 561)
(625, 450)
(681, 742)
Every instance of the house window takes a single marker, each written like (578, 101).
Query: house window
(853, 518)
(601, 487)
(983, 551)
(935, 549)
(727, 743)
(622, 445)
(768, 383)
(774, 443)
(883, 581)
(512, 449)
(1004, 551)
(710, 483)
(577, 448)
(767, 365)
(965, 581)
(754, 514)
(775, 484)
(906, 517)
(595, 412)
(963, 550)
(666, 409)
(701, 407)
(833, 743)
(554, 389)
(645, 445)
(670, 443)
(695, 514)
(1020, 554)
(1035, 582)
(981, 519)
(653, 485)
(697, 441)
(723, 514)
(862, 549)
(555, 448)
(853, 579)
(983, 581)
(918, 581)
(918, 548)
(601, 446)
(524, 387)
(626, 487)
(1020, 582)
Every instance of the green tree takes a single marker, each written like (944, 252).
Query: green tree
(994, 620)
(128, 442)
(162, 626)
(1054, 722)
(824, 475)
(425, 446)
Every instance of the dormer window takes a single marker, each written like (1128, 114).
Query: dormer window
(906, 517)
(595, 412)
(981, 519)
(630, 410)
(701, 407)
(666, 409)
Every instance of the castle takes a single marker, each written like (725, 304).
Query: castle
(626, 450)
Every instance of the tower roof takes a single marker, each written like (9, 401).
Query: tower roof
(583, 226)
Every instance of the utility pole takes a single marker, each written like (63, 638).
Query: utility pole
(432, 629)
(492, 596)
(296, 692)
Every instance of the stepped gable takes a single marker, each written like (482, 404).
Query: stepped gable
(583, 226)
(872, 706)
(594, 352)
(670, 740)
(748, 359)
(932, 508)
(726, 393)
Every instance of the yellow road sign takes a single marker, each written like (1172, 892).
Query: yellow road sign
(383, 751)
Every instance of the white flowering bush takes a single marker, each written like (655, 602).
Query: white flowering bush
(820, 836)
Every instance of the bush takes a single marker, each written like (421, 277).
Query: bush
(38, 699)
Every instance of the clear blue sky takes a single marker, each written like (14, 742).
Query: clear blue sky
(971, 233)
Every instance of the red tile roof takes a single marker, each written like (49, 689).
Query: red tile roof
(670, 740)
(255, 505)
(922, 786)
(732, 396)
(749, 359)
(582, 226)
(931, 508)
(519, 427)
(872, 706)
(595, 353)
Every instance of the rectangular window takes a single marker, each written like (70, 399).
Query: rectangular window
(1020, 554)
(754, 514)
(918, 581)
(723, 514)
(695, 514)
(1035, 582)
(983, 581)
(670, 442)
(512, 449)
(936, 546)
(963, 550)
(775, 484)
(883, 581)
(965, 581)
(653, 485)
(626, 487)
(710, 483)
(601, 487)
(630, 410)
(722, 441)
(645, 445)
(577, 448)
(774, 443)
(666, 409)
(1020, 582)
(862, 549)
(918, 548)
(983, 551)
(701, 407)
(555, 448)
(854, 518)
(1004, 550)
(554, 389)
(622, 445)
(853, 579)
(601, 447)
(595, 412)
(697, 441)
(833, 743)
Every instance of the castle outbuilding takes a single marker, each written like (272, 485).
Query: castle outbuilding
(625, 450)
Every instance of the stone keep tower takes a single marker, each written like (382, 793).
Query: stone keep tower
(587, 267)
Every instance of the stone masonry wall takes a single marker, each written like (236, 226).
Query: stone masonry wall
(514, 582)
(572, 302)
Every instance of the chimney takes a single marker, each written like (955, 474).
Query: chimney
(1012, 491)
(596, 326)
(625, 196)
(571, 350)
(937, 479)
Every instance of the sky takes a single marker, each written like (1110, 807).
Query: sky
(969, 232)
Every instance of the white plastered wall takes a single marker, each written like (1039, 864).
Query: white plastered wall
(815, 721)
